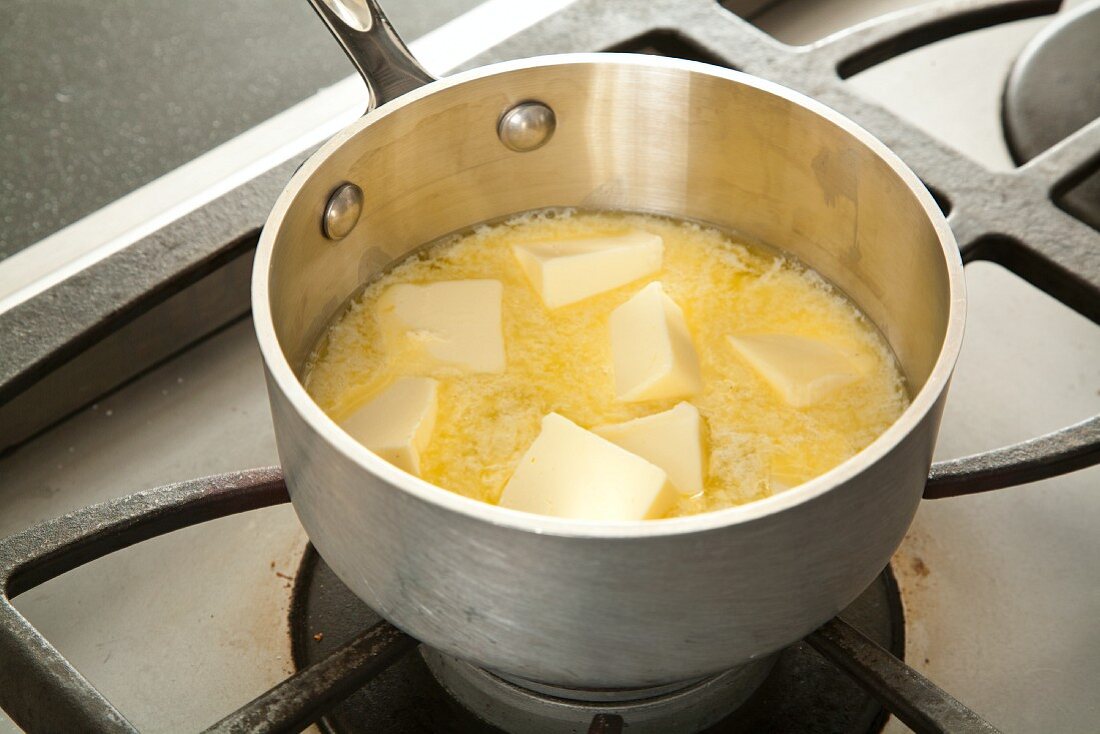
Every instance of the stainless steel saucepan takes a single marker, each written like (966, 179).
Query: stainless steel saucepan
(585, 604)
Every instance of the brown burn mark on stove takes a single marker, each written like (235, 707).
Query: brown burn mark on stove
(913, 575)
(912, 572)
(288, 580)
(917, 584)
(919, 566)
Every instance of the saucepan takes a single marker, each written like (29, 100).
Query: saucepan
(586, 604)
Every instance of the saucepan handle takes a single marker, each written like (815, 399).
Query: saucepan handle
(379, 54)
(1047, 456)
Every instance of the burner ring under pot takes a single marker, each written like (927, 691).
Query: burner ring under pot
(535, 709)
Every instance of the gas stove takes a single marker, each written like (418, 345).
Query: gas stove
(991, 596)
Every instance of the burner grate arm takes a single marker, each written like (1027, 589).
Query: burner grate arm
(880, 39)
(33, 671)
(302, 698)
(1069, 161)
(917, 701)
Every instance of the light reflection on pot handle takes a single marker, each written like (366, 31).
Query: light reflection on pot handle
(1060, 452)
(378, 53)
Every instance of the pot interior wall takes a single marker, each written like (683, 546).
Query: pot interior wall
(630, 135)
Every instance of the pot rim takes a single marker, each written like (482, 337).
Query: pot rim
(926, 398)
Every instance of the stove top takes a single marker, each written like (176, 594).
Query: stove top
(182, 629)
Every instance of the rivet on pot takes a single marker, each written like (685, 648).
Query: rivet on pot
(342, 211)
(526, 126)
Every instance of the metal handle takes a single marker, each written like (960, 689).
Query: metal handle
(1047, 456)
(379, 54)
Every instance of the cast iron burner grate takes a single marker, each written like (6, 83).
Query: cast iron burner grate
(1016, 218)
(34, 671)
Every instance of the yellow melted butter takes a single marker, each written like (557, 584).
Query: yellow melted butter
(560, 360)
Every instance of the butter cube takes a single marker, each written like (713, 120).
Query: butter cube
(571, 472)
(673, 440)
(802, 370)
(455, 322)
(651, 348)
(397, 423)
(567, 271)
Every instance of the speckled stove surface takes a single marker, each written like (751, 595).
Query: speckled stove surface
(102, 96)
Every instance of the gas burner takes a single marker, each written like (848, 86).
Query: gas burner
(1052, 92)
(797, 690)
(517, 705)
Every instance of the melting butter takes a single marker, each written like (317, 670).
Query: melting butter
(571, 472)
(651, 348)
(560, 360)
(564, 271)
(397, 423)
(672, 440)
(804, 371)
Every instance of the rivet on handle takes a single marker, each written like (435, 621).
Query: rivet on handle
(342, 211)
(526, 126)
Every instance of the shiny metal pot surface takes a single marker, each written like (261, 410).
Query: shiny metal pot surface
(598, 604)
